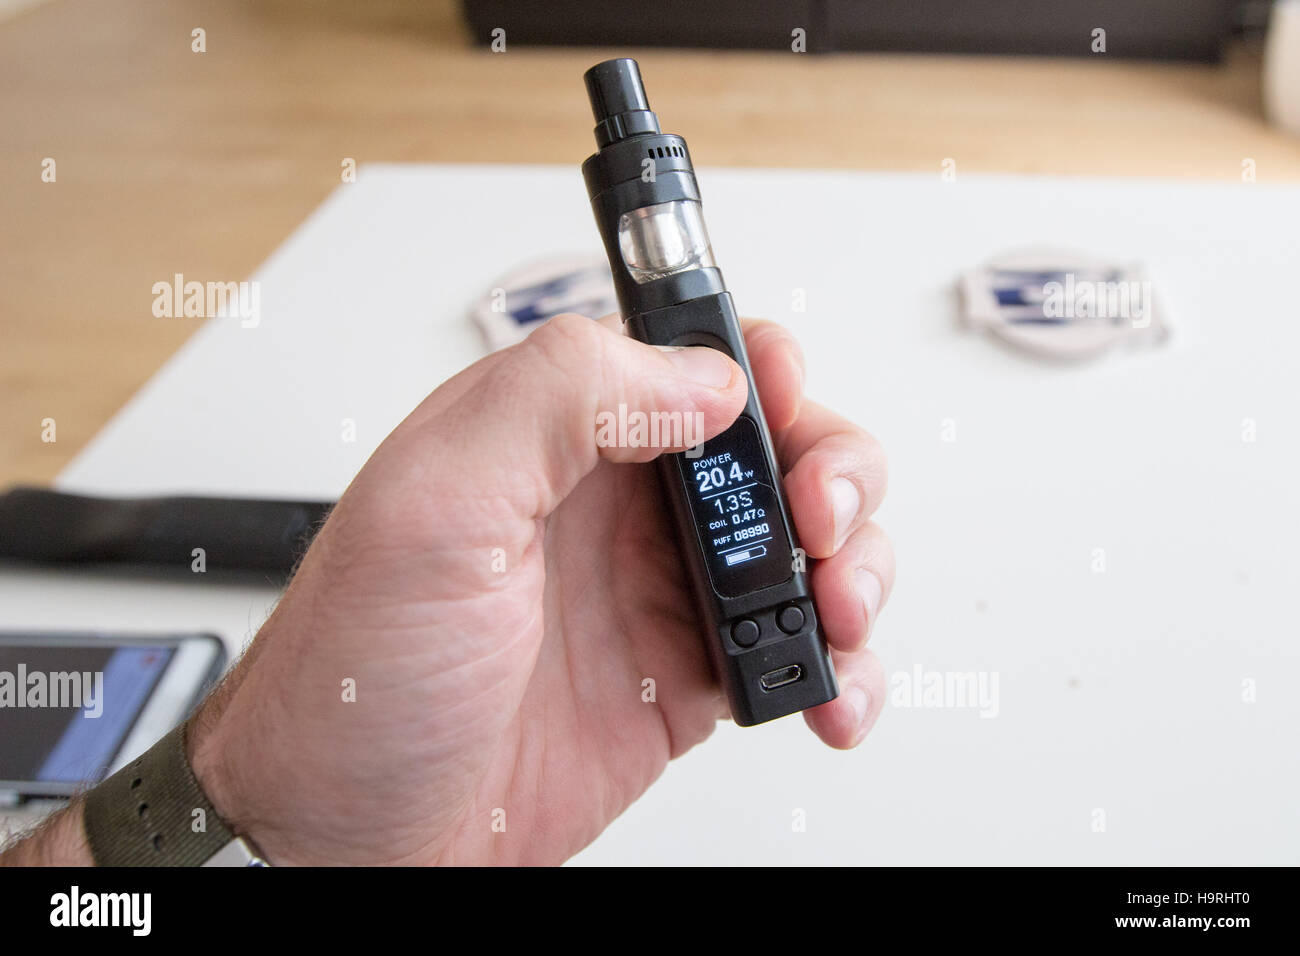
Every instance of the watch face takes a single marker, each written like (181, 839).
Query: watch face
(737, 516)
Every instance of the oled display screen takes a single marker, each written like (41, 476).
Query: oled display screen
(736, 513)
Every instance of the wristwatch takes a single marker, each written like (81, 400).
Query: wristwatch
(153, 812)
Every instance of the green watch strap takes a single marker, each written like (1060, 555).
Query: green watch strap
(145, 814)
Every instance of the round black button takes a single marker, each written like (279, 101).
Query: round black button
(745, 633)
(790, 619)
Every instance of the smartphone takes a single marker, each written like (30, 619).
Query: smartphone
(75, 707)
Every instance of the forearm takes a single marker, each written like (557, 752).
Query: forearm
(59, 841)
(62, 841)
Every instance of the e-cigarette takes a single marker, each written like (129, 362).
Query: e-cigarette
(735, 531)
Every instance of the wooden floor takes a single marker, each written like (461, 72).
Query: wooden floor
(168, 161)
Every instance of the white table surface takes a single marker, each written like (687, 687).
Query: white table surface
(1119, 691)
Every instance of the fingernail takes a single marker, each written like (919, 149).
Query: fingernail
(845, 502)
(707, 366)
(869, 589)
(861, 704)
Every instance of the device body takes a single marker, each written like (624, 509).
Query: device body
(735, 530)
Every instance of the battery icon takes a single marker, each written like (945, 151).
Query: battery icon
(749, 554)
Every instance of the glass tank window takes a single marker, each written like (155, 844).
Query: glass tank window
(664, 239)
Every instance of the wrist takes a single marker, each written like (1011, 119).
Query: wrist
(59, 841)
(229, 745)
(210, 758)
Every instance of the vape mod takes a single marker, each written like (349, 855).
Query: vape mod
(734, 527)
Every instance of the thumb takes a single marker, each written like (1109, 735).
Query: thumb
(540, 415)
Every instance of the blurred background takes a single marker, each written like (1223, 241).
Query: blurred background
(204, 164)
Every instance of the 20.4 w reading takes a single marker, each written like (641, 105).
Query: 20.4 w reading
(730, 499)
(716, 477)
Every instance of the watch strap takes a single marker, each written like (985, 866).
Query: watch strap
(153, 812)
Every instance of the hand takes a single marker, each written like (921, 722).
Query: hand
(496, 587)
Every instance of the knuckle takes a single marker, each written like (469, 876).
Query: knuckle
(877, 463)
(768, 334)
(878, 551)
(870, 454)
(568, 344)
(567, 334)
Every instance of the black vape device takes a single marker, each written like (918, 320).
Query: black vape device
(736, 534)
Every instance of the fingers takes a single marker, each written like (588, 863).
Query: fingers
(836, 477)
(843, 722)
(852, 585)
(778, 366)
(777, 361)
(543, 413)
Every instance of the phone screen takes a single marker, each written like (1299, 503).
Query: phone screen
(66, 710)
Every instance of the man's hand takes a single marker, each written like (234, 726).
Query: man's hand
(492, 590)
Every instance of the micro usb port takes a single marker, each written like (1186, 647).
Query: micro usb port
(780, 677)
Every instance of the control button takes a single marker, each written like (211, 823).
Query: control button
(745, 633)
(790, 619)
